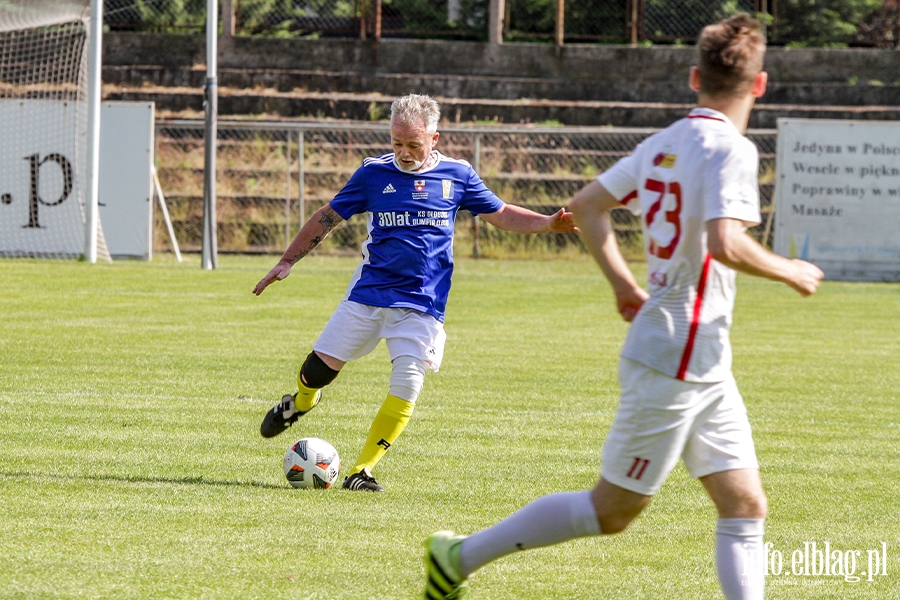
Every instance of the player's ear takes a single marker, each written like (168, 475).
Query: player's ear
(435, 139)
(694, 79)
(759, 84)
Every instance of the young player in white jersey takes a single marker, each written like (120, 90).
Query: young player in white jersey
(695, 187)
(399, 292)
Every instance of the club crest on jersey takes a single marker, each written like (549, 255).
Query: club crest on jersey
(448, 187)
(419, 185)
(667, 161)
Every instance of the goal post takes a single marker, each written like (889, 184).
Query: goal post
(47, 157)
(92, 229)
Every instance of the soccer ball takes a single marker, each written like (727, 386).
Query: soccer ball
(312, 463)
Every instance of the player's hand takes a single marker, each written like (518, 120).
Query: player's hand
(629, 302)
(807, 277)
(563, 222)
(278, 272)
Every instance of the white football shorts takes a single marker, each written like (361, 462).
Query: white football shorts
(661, 419)
(355, 329)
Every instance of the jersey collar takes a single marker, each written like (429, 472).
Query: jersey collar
(701, 112)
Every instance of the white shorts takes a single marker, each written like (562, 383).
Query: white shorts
(661, 419)
(355, 329)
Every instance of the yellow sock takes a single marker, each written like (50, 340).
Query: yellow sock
(306, 396)
(386, 428)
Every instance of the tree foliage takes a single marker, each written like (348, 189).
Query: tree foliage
(882, 28)
(822, 22)
(796, 22)
(160, 15)
(582, 18)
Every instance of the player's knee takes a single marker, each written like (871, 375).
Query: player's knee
(612, 522)
(748, 505)
(315, 374)
(755, 506)
(408, 378)
(616, 507)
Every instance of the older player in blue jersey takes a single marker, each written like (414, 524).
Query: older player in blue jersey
(399, 292)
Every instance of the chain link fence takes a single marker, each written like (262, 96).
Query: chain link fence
(464, 19)
(663, 20)
(297, 17)
(273, 176)
(175, 16)
(580, 20)
(798, 22)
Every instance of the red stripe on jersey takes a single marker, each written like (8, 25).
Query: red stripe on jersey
(628, 198)
(706, 117)
(695, 321)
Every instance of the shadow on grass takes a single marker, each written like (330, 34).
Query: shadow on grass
(122, 479)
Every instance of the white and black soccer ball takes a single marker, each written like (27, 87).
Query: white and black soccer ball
(312, 463)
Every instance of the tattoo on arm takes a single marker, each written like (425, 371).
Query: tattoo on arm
(329, 220)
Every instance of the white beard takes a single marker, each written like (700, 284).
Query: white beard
(419, 165)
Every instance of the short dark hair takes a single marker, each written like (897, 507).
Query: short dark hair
(731, 56)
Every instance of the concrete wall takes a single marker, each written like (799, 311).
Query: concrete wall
(573, 62)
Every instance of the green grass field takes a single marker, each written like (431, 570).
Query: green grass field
(131, 464)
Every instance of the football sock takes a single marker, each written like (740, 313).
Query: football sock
(548, 520)
(740, 558)
(306, 396)
(386, 428)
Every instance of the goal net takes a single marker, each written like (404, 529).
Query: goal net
(44, 128)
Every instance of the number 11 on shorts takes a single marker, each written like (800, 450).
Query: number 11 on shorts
(638, 467)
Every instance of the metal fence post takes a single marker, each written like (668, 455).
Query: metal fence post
(633, 17)
(496, 12)
(211, 104)
(476, 222)
(300, 178)
(363, 24)
(287, 190)
(376, 17)
(227, 22)
(762, 9)
(560, 22)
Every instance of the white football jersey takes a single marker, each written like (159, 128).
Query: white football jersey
(698, 169)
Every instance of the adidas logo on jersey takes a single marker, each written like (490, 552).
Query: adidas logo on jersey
(389, 189)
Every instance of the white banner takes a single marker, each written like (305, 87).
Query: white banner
(838, 197)
(40, 178)
(126, 180)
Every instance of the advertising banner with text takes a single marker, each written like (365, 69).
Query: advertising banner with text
(838, 197)
(40, 184)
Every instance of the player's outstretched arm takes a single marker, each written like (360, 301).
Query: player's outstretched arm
(310, 235)
(523, 220)
(590, 208)
(731, 246)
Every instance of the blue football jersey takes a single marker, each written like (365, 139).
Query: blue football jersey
(408, 255)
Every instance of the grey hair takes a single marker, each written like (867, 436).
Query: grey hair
(414, 109)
